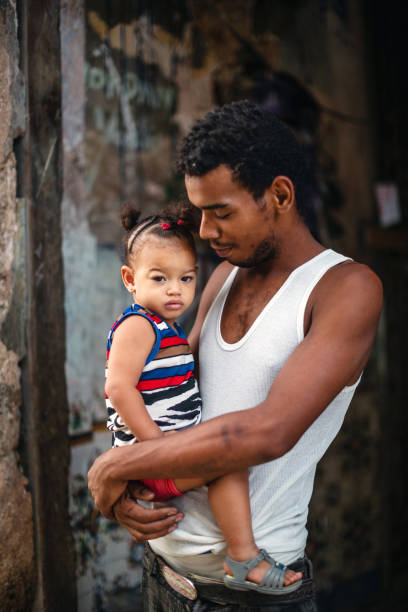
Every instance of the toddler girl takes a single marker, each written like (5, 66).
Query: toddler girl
(151, 390)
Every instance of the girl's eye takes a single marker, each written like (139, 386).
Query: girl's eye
(159, 279)
(187, 279)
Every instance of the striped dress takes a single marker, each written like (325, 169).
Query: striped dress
(167, 383)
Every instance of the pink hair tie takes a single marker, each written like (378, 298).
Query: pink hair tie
(180, 222)
(165, 226)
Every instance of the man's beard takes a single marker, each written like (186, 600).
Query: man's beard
(267, 250)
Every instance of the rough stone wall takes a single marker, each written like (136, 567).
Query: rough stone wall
(16, 520)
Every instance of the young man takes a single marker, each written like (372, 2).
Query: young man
(284, 329)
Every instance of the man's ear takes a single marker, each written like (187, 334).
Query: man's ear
(128, 278)
(283, 193)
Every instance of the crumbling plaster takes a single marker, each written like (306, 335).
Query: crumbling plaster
(16, 520)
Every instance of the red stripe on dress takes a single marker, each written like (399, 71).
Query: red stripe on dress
(160, 383)
(173, 341)
(154, 318)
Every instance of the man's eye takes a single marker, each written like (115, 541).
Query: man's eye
(222, 216)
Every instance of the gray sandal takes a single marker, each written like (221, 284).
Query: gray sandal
(271, 583)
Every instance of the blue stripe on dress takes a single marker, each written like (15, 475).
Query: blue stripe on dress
(178, 370)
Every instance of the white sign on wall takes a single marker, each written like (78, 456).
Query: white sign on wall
(389, 211)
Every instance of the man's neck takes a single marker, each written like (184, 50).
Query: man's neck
(294, 247)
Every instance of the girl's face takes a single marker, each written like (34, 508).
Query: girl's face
(162, 276)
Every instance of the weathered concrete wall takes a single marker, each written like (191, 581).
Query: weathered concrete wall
(16, 518)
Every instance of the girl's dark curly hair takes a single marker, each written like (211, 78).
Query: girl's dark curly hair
(251, 141)
(177, 220)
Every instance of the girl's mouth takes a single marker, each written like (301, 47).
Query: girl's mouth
(174, 305)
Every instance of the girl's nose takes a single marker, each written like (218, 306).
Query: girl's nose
(173, 288)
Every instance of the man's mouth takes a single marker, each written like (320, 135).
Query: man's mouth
(222, 250)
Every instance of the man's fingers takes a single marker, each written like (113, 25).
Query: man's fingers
(158, 515)
(155, 527)
(147, 527)
(142, 537)
(130, 508)
(145, 523)
(138, 491)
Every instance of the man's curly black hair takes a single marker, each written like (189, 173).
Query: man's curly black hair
(251, 141)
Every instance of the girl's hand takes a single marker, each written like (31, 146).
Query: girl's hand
(169, 433)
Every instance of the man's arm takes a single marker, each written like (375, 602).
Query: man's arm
(345, 314)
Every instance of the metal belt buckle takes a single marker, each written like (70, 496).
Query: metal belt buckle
(179, 583)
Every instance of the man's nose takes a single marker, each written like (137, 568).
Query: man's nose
(208, 229)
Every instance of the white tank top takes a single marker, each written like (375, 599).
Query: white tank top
(236, 377)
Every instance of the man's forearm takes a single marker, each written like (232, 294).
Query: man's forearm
(223, 445)
(220, 446)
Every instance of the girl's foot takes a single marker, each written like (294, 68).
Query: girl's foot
(258, 572)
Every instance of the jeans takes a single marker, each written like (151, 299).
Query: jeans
(159, 596)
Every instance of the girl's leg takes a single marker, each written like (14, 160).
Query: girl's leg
(229, 500)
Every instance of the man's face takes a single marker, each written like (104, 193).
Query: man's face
(239, 228)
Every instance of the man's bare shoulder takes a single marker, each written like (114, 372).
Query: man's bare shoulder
(351, 286)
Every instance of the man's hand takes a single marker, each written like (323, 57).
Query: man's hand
(105, 490)
(143, 523)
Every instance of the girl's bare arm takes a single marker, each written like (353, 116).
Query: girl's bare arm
(133, 341)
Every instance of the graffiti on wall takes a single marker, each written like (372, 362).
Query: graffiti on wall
(125, 124)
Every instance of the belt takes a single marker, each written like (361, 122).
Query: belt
(194, 586)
